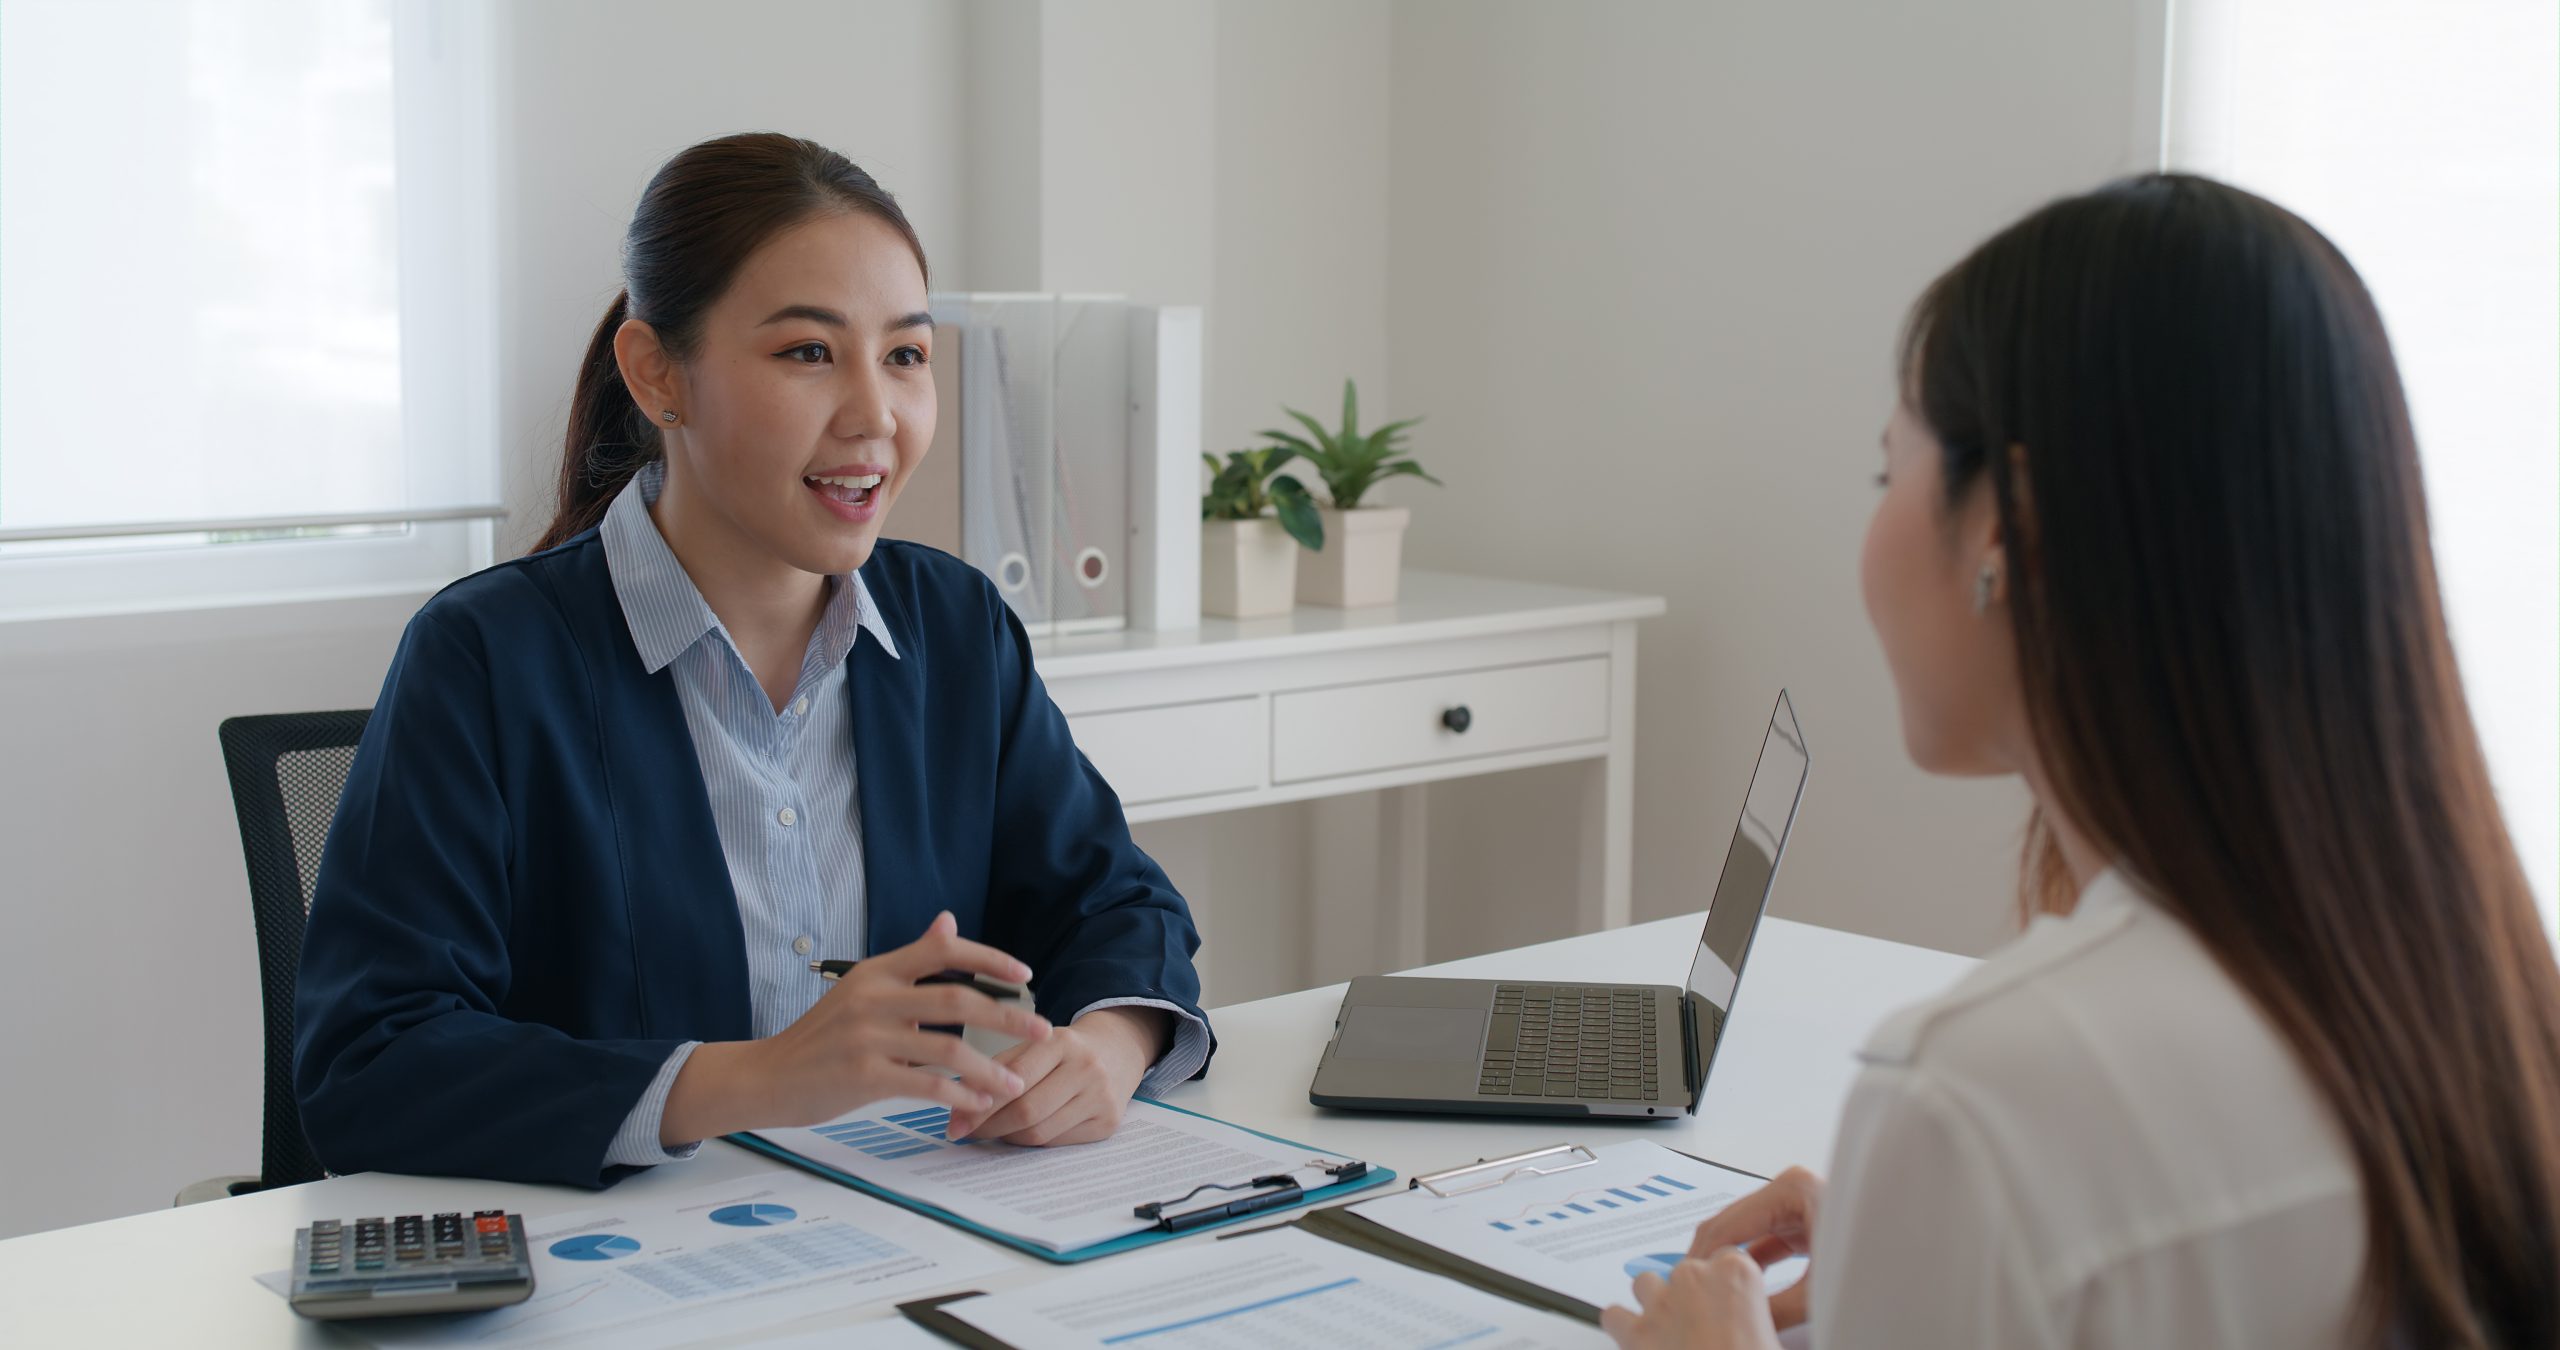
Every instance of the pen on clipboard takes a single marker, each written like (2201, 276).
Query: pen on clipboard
(832, 971)
(1288, 1192)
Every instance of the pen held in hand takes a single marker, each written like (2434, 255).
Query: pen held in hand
(996, 989)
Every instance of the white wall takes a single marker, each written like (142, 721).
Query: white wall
(129, 978)
(1299, 300)
(1645, 269)
(596, 95)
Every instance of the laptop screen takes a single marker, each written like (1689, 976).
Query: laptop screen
(1750, 865)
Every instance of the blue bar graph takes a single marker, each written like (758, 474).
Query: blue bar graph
(901, 1135)
(1656, 1187)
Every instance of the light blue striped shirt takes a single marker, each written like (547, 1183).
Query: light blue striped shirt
(782, 790)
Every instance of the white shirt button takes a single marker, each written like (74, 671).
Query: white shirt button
(800, 708)
(802, 945)
(787, 816)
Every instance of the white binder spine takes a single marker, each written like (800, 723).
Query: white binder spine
(1164, 467)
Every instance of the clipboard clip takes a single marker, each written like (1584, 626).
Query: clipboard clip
(1492, 1172)
(1277, 1190)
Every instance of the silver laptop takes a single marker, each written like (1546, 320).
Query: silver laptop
(1533, 1048)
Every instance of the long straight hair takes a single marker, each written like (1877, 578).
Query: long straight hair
(703, 214)
(2238, 678)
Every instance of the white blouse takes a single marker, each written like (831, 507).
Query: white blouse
(2094, 1139)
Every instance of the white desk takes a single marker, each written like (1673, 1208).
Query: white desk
(1323, 703)
(1810, 997)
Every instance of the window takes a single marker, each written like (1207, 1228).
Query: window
(244, 349)
(2421, 139)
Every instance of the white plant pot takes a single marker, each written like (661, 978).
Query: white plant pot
(1363, 555)
(1248, 568)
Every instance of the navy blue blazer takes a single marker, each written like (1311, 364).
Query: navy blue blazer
(523, 909)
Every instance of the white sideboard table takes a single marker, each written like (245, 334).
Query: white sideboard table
(1461, 676)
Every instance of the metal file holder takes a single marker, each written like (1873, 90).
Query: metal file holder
(1517, 1165)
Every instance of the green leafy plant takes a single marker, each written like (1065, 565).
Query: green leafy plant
(1249, 484)
(1349, 462)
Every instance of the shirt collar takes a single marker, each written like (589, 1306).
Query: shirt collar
(666, 611)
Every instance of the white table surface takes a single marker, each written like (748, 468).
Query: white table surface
(1808, 998)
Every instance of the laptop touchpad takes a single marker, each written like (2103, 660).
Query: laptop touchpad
(1413, 1034)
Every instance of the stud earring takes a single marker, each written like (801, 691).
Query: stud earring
(1984, 582)
(669, 414)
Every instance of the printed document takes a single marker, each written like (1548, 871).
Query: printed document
(760, 1251)
(1277, 1290)
(1062, 1198)
(1586, 1232)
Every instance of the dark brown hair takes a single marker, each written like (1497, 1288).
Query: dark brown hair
(2238, 677)
(701, 217)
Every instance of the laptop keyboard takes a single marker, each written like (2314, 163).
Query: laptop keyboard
(1570, 1041)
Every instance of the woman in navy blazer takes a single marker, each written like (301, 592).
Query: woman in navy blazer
(542, 941)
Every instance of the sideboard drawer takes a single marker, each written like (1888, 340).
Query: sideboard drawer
(1182, 750)
(1394, 724)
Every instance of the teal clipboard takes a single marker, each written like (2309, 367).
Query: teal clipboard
(1375, 1176)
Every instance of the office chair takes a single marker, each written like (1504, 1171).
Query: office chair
(287, 771)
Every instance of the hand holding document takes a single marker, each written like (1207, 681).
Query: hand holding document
(1585, 1232)
(1280, 1290)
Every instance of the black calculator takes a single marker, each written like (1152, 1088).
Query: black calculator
(415, 1263)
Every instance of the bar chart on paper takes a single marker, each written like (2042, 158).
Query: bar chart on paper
(1585, 1231)
(903, 1134)
(1592, 1202)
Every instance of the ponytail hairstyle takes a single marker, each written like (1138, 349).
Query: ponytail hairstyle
(2237, 675)
(701, 217)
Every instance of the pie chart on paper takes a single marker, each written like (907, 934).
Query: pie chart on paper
(594, 1247)
(754, 1216)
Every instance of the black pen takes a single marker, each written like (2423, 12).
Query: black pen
(1290, 1193)
(837, 970)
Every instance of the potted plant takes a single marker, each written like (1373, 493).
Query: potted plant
(1367, 542)
(1254, 519)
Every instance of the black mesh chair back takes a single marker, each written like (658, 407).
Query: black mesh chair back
(287, 771)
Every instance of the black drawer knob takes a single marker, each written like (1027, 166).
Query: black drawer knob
(1458, 719)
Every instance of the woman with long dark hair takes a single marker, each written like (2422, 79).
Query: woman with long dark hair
(2277, 1061)
(607, 812)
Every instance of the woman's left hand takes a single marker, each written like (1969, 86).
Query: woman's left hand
(1076, 1081)
(1709, 1303)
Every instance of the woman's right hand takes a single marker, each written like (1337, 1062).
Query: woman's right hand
(1713, 1300)
(864, 1041)
(1770, 1225)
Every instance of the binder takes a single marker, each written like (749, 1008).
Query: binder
(1355, 1176)
(1336, 1223)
